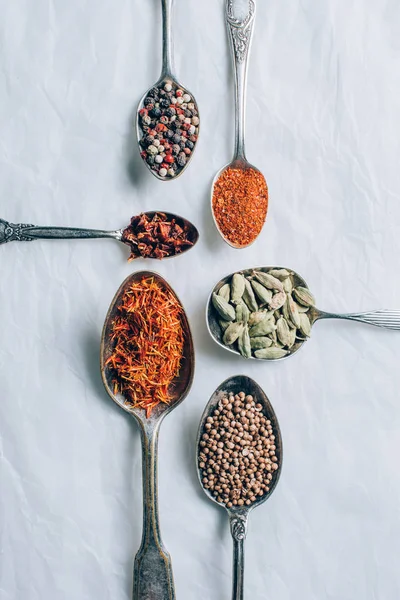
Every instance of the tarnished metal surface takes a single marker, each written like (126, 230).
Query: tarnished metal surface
(153, 578)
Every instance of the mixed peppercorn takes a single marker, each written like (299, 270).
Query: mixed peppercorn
(169, 125)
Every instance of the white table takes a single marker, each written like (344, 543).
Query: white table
(323, 114)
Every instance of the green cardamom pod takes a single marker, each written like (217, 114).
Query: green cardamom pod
(237, 288)
(256, 317)
(224, 324)
(304, 296)
(261, 292)
(225, 310)
(282, 331)
(305, 325)
(277, 301)
(249, 297)
(258, 343)
(292, 337)
(269, 281)
(273, 337)
(302, 309)
(279, 273)
(265, 327)
(242, 312)
(225, 292)
(232, 333)
(292, 312)
(244, 343)
(270, 353)
(287, 285)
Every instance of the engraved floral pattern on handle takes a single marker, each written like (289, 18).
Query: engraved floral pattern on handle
(10, 232)
(241, 30)
(239, 527)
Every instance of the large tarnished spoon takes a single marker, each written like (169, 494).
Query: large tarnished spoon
(153, 578)
(238, 516)
(388, 319)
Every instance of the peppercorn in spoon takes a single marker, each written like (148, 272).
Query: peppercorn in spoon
(239, 457)
(168, 120)
(146, 334)
(149, 235)
(267, 313)
(239, 198)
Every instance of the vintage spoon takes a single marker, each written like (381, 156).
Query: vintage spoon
(388, 319)
(167, 77)
(10, 232)
(240, 31)
(238, 515)
(153, 570)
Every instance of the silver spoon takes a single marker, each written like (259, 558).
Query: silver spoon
(153, 576)
(388, 319)
(10, 232)
(167, 77)
(238, 516)
(240, 31)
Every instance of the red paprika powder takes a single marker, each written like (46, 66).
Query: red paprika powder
(240, 204)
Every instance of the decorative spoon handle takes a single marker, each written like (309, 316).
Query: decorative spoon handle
(153, 576)
(240, 33)
(167, 61)
(11, 232)
(238, 523)
(388, 319)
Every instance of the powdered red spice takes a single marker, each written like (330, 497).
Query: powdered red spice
(240, 204)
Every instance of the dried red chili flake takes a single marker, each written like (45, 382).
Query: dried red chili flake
(156, 237)
(240, 204)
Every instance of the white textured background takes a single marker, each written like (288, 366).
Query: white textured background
(323, 115)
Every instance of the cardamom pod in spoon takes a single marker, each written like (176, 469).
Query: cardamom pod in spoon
(267, 313)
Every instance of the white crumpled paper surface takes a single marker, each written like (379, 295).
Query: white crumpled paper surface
(322, 124)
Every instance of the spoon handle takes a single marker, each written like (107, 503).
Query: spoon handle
(240, 29)
(388, 319)
(19, 232)
(167, 61)
(238, 524)
(153, 576)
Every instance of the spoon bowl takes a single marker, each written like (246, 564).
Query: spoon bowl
(238, 516)
(236, 384)
(237, 163)
(153, 577)
(388, 319)
(181, 385)
(140, 134)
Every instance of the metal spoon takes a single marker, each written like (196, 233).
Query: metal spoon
(388, 319)
(240, 34)
(167, 76)
(238, 516)
(153, 576)
(10, 232)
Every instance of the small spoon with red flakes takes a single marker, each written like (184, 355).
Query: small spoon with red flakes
(153, 234)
